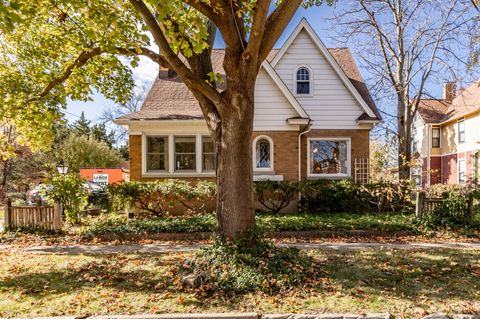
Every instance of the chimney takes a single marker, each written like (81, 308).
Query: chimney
(449, 91)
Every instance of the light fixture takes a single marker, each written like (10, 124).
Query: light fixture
(62, 168)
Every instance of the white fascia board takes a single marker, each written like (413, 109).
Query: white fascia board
(305, 25)
(286, 92)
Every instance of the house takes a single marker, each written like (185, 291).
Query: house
(313, 116)
(446, 137)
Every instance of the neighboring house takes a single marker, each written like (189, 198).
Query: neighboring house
(446, 137)
(313, 116)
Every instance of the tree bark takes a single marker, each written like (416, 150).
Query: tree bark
(233, 142)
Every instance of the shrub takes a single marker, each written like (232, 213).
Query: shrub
(453, 213)
(69, 191)
(248, 265)
(322, 196)
(157, 197)
(441, 190)
(275, 196)
(390, 196)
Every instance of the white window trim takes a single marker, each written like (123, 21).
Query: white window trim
(294, 88)
(460, 161)
(349, 157)
(144, 154)
(170, 171)
(254, 154)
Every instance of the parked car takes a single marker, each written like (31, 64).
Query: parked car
(38, 195)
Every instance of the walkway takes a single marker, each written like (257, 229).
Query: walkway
(167, 248)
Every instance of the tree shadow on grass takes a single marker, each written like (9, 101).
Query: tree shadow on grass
(408, 275)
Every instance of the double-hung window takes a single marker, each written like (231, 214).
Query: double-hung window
(208, 154)
(461, 131)
(436, 137)
(185, 158)
(157, 153)
(414, 141)
(329, 157)
(303, 81)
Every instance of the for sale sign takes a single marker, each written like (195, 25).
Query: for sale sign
(101, 179)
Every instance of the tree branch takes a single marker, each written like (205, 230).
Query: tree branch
(275, 24)
(82, 59)
(187, 76)
(258, 29)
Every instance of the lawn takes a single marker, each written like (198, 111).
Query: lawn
(406, 283)
(206, 223)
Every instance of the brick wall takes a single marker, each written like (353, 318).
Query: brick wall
(285, 150)
(360, 144)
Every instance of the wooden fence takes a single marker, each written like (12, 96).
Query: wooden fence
(45, 217)
(427, 205)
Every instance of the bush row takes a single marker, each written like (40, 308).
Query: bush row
(158, 198)
(322, 196)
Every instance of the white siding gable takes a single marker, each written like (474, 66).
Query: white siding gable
(272, 109)
(331, 105)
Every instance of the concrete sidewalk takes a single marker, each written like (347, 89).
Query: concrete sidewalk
(170, 248)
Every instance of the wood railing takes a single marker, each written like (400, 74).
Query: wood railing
(427, 205)
(44, 217)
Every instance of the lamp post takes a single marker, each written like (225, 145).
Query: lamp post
(62, 168)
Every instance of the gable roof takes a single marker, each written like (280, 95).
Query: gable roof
(439, 111)
(170, 99)
(342, 65)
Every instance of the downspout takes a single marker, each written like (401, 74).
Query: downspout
(307, 129)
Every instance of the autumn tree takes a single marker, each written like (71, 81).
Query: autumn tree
(66, 48)
(405, 45)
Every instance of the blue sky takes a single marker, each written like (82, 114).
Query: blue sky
(147, 70)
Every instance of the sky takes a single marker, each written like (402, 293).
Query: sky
(147, 70)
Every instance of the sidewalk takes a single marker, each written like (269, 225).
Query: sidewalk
(169, 248)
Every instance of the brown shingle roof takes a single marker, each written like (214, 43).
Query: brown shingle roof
(170, 99)
(433, 110)
(438, 111)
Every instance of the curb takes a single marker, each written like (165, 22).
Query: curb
(272, 235)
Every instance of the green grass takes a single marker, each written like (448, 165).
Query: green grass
(405, 283)
(206, 223)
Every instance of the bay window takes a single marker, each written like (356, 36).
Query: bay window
(329, 157)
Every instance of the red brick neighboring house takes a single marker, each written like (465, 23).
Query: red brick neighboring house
(447, 137)
(313, 116)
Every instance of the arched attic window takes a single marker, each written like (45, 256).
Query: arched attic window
(303, 81)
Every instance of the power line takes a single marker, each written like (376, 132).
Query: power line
(96, 122)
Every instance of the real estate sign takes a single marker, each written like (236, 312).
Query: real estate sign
(101, 179)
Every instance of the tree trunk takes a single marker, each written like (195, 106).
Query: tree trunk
(404, 139)
(235, 200)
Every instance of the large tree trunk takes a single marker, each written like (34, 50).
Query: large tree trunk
(235, 210)
(235, 200)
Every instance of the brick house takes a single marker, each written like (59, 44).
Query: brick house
(313, 116)
(446, 137)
